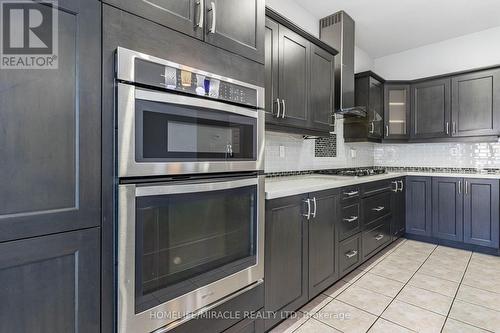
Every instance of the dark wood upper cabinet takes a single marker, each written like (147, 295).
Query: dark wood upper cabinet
(50, 134)
(476, 103)
(396, 111)
(236, 26)
(369, 92)
(185, 16)
(447, 207)
(53, 283)
(323, 269)
(286, 259)
(321, 88)
(419, 205)
(272, 73)
(481, 213)
(431, 109)
(294, 59)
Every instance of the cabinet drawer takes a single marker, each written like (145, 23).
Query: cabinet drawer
(350, 221)
(349, 254)
(375, 238)
(378, 187)
(351, 192)
(376, 206)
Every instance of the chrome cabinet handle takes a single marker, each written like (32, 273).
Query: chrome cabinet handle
(351, 219)
(214, 18)
(447, 128)
(379, 208)
(379, 237)
(284, 109)
(351, 193)
(279, 107)
(386, 130)
(308, 215)
(201, 14)
(351, 254)
(466, 187)
(315, 208)
(454, 127)
(401, 182)
(459, 186)
(397, 187)
(372, 128)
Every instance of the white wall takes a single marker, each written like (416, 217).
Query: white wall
(362, 61)
(297, 14)
(475, 50)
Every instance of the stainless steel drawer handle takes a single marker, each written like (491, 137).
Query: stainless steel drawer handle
(379, 208)
(351, 193)
(401, 182)
(284, 109)
(397, 187)
(447, 128)
(379, 237)
(214, 18)
(351, 219)
(279, 107)
(351, 254)
(372, 128)
(308, 215)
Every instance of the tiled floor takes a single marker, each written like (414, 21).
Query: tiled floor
(409, 287)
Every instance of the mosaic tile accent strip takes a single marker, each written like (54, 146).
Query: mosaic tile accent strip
(289, 173)
(326, 147)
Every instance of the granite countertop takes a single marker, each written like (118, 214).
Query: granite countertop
(278, 187)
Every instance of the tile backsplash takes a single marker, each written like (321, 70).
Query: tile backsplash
(287, 152)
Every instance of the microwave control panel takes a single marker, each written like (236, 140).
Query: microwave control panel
(180, 80)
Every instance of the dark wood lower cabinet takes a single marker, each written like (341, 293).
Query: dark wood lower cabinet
(418, 206)
(286, 257)
(447, 207)
(398, 208)
(51, 283)
(481, 212)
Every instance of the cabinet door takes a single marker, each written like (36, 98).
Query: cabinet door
(181, 15)
(273, 104)
(322, 244)
(481, 217)
(375, 109)
(321, 89)
(476, 104)
(286, 264)
(53, 283)
(418, 206)
(50, 133)
(431, 109)
(294, 62)
(447, 207)
(396, 111)
(236, 26)
(398, 223)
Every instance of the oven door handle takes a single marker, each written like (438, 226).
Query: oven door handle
(147, 191)
(204, 103)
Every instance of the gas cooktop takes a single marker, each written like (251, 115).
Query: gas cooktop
(355, 172)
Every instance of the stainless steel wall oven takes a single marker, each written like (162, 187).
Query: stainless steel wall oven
(190, 193)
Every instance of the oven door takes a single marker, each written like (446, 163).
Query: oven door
(185, 245)
(162, 133)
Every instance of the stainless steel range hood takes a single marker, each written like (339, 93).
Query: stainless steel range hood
(337, 30)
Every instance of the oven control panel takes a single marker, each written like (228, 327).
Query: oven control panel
(194, 82)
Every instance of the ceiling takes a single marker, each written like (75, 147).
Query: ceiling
(385, 27)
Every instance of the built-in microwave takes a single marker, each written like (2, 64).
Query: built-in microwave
(174, 119)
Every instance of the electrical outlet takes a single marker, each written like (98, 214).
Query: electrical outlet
(282, 151)
(353, 153)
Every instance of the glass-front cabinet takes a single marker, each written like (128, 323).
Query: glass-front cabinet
(397, 111)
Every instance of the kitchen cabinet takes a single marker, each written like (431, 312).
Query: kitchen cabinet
(349, 254)
(476, 103)
(369, 93)
(396, 111)
(51, 283)
(299, 80)
(236, 26)
(286, 257)
(323, 270)
(321, 88)
(431, 109)
(481, 212)
(419, 205)
(376, 235)
(50, 146)
(447, 207)
(398, 207)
